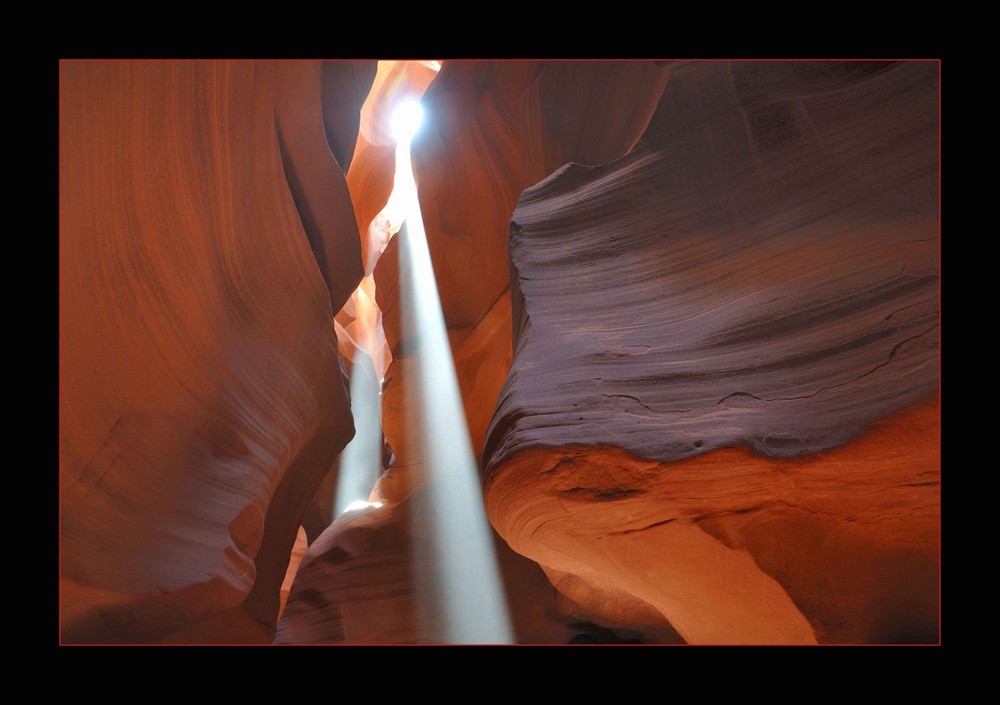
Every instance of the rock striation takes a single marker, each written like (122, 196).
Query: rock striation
(206, 238)
(722, 400)
(492, 129)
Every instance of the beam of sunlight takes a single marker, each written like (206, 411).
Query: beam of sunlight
(361, 460)
(469, 597)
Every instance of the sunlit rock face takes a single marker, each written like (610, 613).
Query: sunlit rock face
(206, 238)
(370, 178)
(722, 402)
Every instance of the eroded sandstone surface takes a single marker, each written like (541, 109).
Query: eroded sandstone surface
(723, 394)
(206, 238)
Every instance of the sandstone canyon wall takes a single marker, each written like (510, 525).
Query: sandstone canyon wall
(722, 403)
(206, 238)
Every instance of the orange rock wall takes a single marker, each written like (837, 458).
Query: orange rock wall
(206, 237)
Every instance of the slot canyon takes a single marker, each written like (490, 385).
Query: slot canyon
(598, 352)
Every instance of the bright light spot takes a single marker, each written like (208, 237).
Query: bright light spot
(406, 120)
(360, 504)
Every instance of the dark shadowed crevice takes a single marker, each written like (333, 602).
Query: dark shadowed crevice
(310, 223)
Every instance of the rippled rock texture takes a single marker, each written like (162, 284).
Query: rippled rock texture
(206, 238)
(722, 404)
(492, 129)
